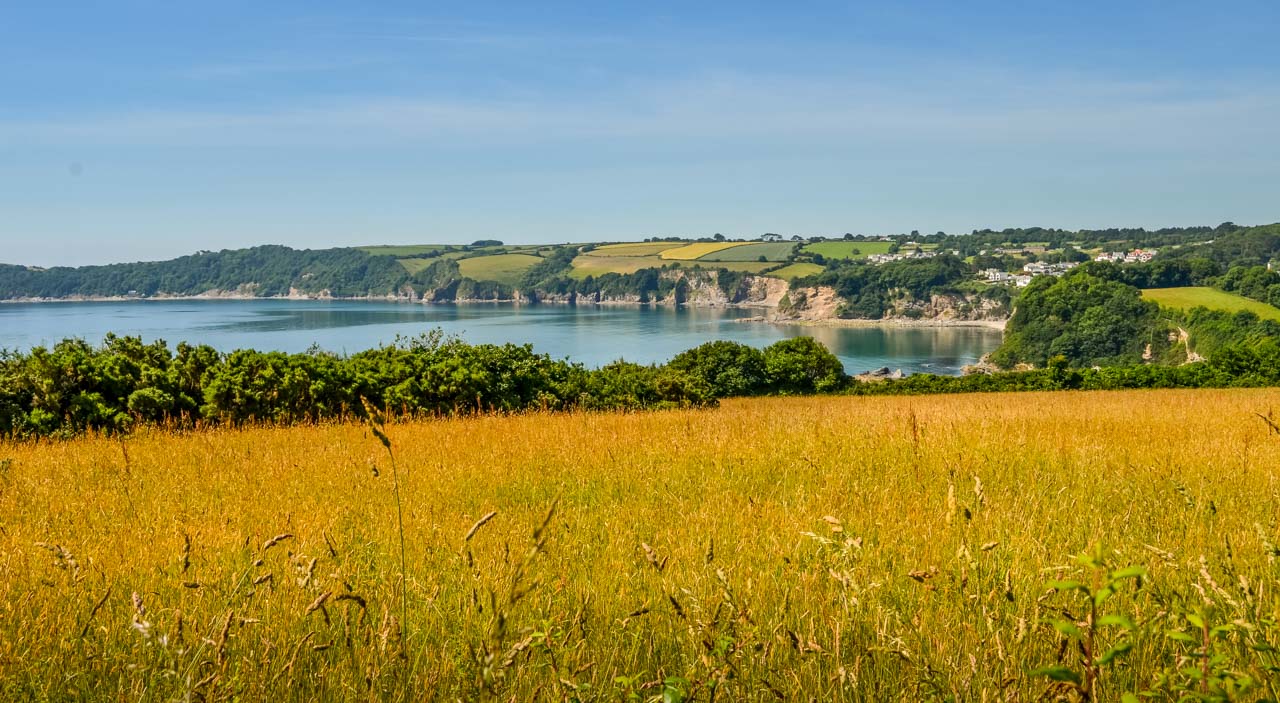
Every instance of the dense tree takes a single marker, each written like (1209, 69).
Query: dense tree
(1083, 317)
(802, 365)
(262, 271)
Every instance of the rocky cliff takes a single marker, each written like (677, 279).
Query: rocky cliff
(697, 288)
(816, 303)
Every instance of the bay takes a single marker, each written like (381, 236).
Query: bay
(592, 335)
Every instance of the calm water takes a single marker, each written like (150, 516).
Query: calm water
(592, 335)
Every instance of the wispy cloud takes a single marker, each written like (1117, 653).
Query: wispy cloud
(999, 111)
(274, 66)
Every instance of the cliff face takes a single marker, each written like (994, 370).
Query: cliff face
(959, 308)
(705, 288)
(823, 303)
(676, 287)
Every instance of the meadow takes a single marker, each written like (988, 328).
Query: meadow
(503, 268)
(859, 549)
(845, 250)
(793, 271)
(771, 251)
(1201, 296)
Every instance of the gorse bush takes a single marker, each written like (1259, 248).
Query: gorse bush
(76, 387)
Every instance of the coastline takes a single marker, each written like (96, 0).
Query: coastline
(903, 322)
(374, 298)
(900, 322)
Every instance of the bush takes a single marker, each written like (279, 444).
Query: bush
(728, 368)
(802, 365)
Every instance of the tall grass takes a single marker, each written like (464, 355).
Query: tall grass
(859, 549)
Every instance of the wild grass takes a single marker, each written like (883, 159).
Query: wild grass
(859, 549)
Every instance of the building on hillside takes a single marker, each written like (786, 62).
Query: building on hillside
(771, 237)
(1137, 256)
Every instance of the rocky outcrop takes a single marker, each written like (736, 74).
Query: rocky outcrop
(881, 374)
(810, 303)
(959, 308)
(696, 288)
(817, 303)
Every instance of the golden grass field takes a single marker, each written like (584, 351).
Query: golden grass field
(859, 549)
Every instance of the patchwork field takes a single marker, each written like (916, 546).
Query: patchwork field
(1197, 296)
(698, 250)
(844, 250)
(584, 266)
(771, 251)
(633, 249)
(833, 549)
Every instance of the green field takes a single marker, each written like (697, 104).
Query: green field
(414, 265)
(844, 250)
(771, 251)
(1198, 296)
(796, 271)
(503, 268)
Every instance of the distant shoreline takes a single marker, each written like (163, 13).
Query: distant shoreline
(904, 323)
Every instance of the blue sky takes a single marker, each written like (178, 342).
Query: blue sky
(145, 130)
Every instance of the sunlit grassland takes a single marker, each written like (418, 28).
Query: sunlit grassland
(596, 265)
(1200, 296)
(806, 549)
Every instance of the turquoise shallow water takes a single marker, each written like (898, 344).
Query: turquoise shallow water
(589, 334)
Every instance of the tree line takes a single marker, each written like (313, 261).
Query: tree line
(123, 383)
(75, 387)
